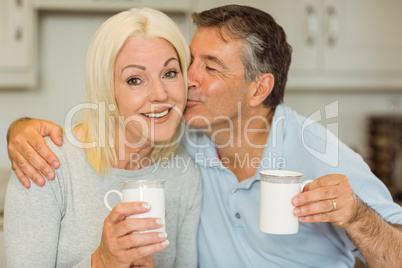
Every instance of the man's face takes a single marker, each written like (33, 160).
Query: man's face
(216, 80)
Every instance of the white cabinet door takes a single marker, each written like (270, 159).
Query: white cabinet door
(299, 18)
(338, 44)
(363, 36)
(16, 45)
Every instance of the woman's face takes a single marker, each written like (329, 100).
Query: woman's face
(149, 89)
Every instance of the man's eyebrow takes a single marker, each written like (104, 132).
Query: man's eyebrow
(134, 66)
(214, 59)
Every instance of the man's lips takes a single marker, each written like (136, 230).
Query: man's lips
(192, 102)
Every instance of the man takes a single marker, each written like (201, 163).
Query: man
(240, 61)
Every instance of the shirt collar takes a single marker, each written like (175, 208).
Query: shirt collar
(204, 152)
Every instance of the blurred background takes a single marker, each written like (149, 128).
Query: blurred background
(346, 53)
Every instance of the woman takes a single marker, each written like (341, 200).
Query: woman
(136, 87)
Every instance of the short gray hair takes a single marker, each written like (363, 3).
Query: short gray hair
(266, 49)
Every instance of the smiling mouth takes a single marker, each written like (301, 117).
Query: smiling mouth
(157, 115)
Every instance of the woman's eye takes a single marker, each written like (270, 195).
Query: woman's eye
(170, 74)
(134, 81)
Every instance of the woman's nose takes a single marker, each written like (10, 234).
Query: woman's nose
(159, 92)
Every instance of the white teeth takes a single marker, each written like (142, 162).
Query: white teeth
(152, 115)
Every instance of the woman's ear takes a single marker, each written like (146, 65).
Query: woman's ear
(263, 87)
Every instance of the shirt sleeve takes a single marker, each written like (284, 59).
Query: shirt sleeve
(187, 233)
(369, 188)
(371, 191)
(32, 223)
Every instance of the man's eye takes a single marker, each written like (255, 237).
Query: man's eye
(211, 69)
(134, 81)
(170, 74)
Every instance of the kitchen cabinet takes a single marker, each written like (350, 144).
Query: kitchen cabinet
(18, 22)
(17, 46)
(113, 5)
(338, 44)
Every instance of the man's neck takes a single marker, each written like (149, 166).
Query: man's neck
(241, 149)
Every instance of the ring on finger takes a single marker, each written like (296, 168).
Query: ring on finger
(334, 205)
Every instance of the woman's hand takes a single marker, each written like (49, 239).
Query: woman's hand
(121, 244)
(146, 262)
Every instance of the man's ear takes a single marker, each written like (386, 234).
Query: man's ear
(263, 87)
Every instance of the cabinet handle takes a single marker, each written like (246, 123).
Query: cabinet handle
(312, 25)
(19, 20)
(333, 26)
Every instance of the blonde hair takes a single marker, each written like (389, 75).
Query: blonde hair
(100, 62)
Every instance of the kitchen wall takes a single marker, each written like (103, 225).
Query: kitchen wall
(63, 38)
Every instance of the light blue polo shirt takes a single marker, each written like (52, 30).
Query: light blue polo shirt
(229, 235)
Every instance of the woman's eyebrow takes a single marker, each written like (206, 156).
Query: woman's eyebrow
(134, 66)
(167, 62)
(144, 68)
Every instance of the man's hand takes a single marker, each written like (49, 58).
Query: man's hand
(331, 199)
(28, 151)
(328, 199)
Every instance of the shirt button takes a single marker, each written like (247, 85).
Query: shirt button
(237, 215)
(234, 192)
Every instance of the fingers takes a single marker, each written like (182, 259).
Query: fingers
(107, 255)
(315, 195)
(139, 252)
(137, 225)
(20, 175)
(29, 151)
(40, 156)
(118, 225)
(326, 187)
(322, 217)
(24, 170)
(340, 216)
(37, 155)
(132, 240)
(327, 199)
(320, 211)
(123, 225)
(133, 255)
(122, 243)
(143, 262)
(123, 210)
(55, 132)
(35, 138)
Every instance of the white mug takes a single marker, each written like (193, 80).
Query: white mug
(150, 191)
(278, 187)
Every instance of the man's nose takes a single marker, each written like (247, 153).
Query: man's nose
(193, 77)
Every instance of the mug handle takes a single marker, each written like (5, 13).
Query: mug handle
(304, 183)
(107, 195)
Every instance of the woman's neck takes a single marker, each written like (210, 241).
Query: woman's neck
(132, 152)
(129, 156)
